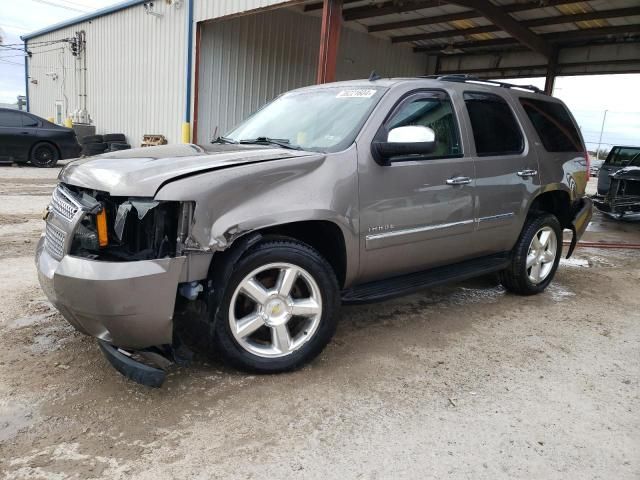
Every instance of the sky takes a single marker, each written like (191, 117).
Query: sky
(588, 97)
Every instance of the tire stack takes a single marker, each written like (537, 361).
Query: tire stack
(109, 142)
(116, 141)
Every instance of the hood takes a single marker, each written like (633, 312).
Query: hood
(140, 172)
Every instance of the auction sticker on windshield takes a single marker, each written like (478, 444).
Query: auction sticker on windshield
(356, 93)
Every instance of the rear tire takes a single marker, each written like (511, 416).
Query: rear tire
(291, 314)
(44, 155)
(535, 257)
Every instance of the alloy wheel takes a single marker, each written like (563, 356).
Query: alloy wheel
(275, 310)
(542, 255)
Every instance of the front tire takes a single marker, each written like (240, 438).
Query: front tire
(44, 155)
(279, 309)
(535, 258)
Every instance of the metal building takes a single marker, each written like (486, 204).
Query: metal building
(191, 69)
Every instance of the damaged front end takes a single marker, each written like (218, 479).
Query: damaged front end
(623, 196)
(114, 267)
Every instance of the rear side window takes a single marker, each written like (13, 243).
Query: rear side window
(553, 124)
(622, 156)
(495, 129)
(10, 119)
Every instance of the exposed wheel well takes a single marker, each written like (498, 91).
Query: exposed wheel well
(556, 202)
(326, 237)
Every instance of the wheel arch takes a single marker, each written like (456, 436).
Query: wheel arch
(556, 201)
(324, 236)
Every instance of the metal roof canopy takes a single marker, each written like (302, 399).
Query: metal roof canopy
(508, 38)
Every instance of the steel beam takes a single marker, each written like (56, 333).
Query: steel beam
(506, 22)
(526, 68)
(553, 38)
(387, 8)
(456, 32)
(538, 22)
(329, 41)
(550, 77)
(622, 12)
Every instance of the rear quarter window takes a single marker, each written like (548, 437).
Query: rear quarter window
(554, 125)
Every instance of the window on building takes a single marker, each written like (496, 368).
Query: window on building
(59, 112)
(553, 124)
(495, 129)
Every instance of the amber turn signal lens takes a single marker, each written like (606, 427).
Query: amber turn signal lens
(101, 224)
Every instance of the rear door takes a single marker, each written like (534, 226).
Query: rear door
(506, 170)
(619, 157)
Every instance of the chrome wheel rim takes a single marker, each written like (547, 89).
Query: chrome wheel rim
(275, 310)
(542, 255)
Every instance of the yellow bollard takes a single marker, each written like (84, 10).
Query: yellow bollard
(68, 122)
(186, 132)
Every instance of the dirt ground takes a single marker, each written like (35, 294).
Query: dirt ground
(458, 382)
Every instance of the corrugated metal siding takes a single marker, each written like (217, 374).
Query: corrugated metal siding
(208, 9)
(135, 70)
(247, 61)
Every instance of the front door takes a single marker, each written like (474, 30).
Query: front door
(417, 213)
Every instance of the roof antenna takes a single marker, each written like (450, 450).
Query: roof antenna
(374, 76)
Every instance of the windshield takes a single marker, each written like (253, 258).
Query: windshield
(323, 119)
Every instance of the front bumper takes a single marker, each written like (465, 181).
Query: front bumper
(128, 304)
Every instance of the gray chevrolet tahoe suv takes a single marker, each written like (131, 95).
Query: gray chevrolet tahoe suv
(348, 192)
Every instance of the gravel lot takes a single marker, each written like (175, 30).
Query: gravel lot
(458, 382)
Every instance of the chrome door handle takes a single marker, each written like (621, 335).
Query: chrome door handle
(527, 173)
(458, 181)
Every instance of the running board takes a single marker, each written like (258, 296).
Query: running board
(380, 290)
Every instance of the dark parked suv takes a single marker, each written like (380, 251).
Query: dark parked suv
(340, 193)
(618, 158)
(25, 137)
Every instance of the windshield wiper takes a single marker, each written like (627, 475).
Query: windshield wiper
(281, 142)
(223, 140)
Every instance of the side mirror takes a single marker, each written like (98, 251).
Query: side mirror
(403, 143)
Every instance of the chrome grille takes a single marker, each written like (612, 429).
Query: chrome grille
(63, 205)
(54, 241)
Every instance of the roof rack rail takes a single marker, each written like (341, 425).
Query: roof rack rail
(463, 78)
